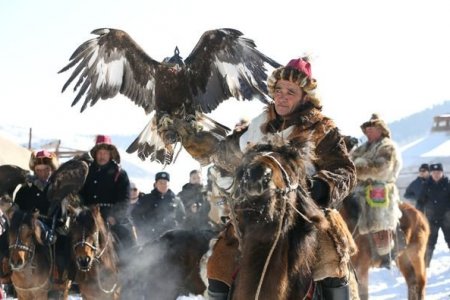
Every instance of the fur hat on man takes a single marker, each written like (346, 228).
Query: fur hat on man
(375, 121)
(43, 157)
(298, 71)
(104, 142)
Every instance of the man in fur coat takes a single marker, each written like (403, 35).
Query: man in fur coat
(378, 165)
(294, 116)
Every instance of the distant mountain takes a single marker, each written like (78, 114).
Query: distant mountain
(416, 125)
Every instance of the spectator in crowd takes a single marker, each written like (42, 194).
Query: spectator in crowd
(193, 196)
(378, 164)
(158, 211)
(108, 186)
(434, 201)
(135, 194)
(414, 189)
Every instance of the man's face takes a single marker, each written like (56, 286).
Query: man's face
(287, 96)
(196, 178)
(424, 173)
(102, 157)
(437, 175)
(373, 133)
(42, 172)
(162, 186)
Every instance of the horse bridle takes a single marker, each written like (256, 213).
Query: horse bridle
(94, 247)
(22, 246)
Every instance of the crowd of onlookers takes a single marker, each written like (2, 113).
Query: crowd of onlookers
(430, 192)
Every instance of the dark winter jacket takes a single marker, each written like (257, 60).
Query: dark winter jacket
(414, 189)
(109, 187)
(156, 213)
(34, 196)
(434, 200)
(195, 194)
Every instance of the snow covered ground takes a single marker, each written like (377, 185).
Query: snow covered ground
(389, 284)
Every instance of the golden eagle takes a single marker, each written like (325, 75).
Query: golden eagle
(222, 65)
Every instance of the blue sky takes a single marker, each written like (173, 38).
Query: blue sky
(390, 57)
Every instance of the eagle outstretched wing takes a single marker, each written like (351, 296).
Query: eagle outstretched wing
(222, 65)
(109, 64)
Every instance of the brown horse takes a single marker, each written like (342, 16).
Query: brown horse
(31, 262)
(94, 256)
(277, 225)
(410, 260)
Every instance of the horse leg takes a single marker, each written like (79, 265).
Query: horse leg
(413, 269)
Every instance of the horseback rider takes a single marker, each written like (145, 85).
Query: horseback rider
(108, 186)
(378, 165)
(294, 115)
(33, 195)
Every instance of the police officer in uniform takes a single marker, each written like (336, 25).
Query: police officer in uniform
(158, 211)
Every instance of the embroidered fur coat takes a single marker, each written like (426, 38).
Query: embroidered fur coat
(378, 163)
(331, 162)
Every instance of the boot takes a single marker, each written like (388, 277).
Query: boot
(217, 295)
(217, 290)
(386, 261)
(334, 288)
(48, 236)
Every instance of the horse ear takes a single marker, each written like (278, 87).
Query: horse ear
(37, 229)
(10, 212)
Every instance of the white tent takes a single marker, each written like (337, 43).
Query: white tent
(13, 154)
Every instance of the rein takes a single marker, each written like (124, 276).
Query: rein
(289, 188)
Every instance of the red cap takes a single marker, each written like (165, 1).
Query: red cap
(43, 154)
(301, 65)
(103, 139)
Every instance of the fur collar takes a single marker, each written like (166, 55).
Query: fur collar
(306, 116)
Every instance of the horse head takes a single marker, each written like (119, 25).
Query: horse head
(270, 187)
(88, 237)
(23, 236)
